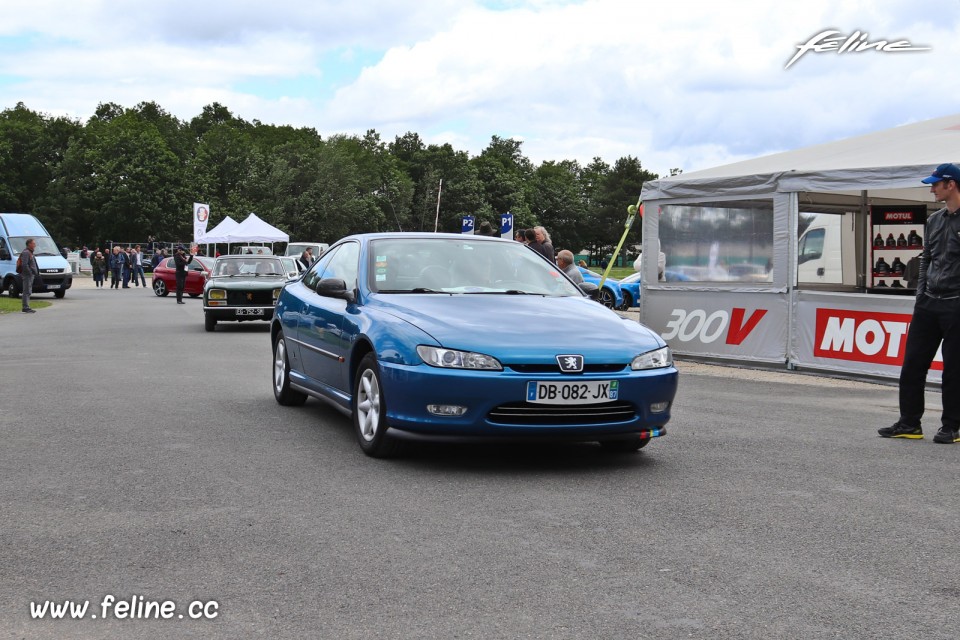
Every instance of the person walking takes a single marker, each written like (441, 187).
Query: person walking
(98, 265)
(29, 271)
(127, 265)
(181, 260)
(116, 267)
(936, 317)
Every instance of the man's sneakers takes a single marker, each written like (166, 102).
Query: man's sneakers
(901, 431)
(946, 435)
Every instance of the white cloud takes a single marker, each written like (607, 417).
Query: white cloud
(677, 85)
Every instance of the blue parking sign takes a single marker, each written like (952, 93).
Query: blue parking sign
(506, 226)
(467, 225)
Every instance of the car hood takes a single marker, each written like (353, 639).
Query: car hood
(52, 262)
(517, 328)
(242, 282)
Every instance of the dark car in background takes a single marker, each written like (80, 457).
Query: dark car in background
(244, 287)
(165, 276)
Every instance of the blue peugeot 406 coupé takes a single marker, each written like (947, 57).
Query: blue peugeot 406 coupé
(464, 337)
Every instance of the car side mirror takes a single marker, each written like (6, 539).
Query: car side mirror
(335, 288)
(592, 290)
(4, 254)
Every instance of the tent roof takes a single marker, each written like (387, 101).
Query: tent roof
(895, 158)
(253, 229)
(219, 232)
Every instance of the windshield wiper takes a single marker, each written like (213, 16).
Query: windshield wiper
(46, 254)
(417, 290)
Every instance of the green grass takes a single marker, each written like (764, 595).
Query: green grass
(14, 305)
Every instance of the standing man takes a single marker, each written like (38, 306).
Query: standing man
(137, 258)
(116, 267)
(181, 260)
(936, 317)
(565, 262)
(306, 258)
(544, 239)
(29, 271)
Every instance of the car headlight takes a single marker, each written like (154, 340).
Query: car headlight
(656, 359)
(276, 294)
(452, 359)
(217, 294)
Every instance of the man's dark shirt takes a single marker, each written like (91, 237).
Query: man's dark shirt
(181, 262)
(940, 260)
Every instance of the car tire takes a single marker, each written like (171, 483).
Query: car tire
(370, 411)
(160, 287)
(624, 446)
(59, 294)
(281, 376)
(194, 295)
(607, 298)
(12, 289)
(209, 322)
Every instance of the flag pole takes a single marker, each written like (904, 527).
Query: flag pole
(436, 222)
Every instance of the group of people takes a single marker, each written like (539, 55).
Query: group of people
(121, 265)
(539, 240)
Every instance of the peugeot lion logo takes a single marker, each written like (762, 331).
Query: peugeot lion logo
(570, 364)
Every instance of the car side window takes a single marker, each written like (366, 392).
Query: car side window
(316, 271)
(170, 264)
(345, 264)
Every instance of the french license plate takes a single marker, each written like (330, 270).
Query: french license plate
(53, 286)
(585, 392)
(249, 312)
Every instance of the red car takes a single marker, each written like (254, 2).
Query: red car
(165, 276)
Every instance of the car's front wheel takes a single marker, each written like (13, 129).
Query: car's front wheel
(281, 376)
(160, 287)
(59, 294)
(209, 322)
(370, 411)
(607, 298)
(12, 289)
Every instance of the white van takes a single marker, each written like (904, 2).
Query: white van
(821, 258)
(55, 274)
(294, 249)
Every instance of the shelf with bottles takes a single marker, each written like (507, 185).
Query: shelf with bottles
(909, 242)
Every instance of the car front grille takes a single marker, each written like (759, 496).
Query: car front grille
(528, 413)
(555, 368)
(258, 298)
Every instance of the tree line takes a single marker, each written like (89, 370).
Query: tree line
(127, 173)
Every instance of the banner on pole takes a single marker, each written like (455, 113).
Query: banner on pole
(201, 215)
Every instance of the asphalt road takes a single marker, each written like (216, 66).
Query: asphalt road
(143, 457)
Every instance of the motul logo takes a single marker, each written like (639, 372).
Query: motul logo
(864, 336)
(898, 216)
(697, 325)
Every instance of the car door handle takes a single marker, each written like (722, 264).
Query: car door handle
(820, 271)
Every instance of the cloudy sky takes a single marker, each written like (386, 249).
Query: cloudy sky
(675, 84)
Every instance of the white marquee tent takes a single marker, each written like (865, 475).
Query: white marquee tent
(253, 229)
(220, 232)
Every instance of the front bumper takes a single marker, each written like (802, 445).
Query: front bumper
(496, 404)
(239, 314)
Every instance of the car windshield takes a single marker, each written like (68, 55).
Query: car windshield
(45, 246)
(455, 265)
(248, 266)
